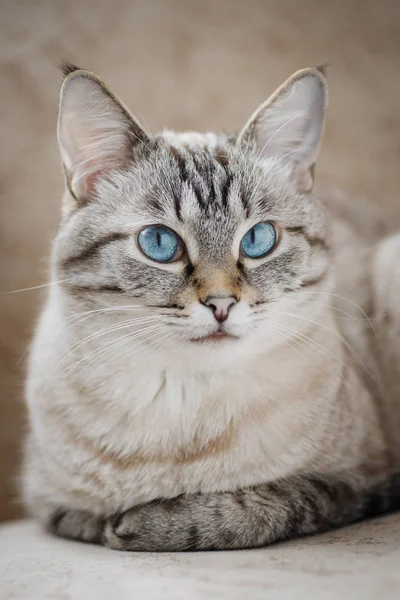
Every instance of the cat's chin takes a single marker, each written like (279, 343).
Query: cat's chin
(218, 337)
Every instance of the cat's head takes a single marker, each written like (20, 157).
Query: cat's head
(211, 236)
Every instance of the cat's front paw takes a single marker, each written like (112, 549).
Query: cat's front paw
(77, 525)
(151, 527)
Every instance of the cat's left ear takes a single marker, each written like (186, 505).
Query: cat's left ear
(289, 125)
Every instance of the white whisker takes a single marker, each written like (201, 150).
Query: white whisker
(122, 308)
(107, 330)
(351, 302)
(35, 287)
(337, 335)
(149, 333)
(109, 346)
(309, 342)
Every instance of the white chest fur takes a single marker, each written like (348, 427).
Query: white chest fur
(149, 429)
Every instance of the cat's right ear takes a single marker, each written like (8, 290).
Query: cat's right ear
(96, 132)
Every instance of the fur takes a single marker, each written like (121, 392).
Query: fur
(144, 432)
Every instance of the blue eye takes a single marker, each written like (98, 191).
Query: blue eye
(159, 243)
(259, 240)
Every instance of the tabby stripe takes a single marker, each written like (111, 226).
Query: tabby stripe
(55, 519)
(76, 525)
(193, 537)
(153, 201)
(197, 175)
(181, 164)
(243, 271)
(175, 306)
(177, 206)
(183, 175)
(189, 270)
(225, 190)
(114, 289)
(240, 498)
(213, 190)
(92, 250)
(245, 204)
(312, 240)
(197, 193)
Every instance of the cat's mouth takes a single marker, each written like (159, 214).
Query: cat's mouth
(216, 337)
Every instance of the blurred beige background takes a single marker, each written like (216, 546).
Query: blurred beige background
(183, 64)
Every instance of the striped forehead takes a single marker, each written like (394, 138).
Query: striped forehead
(207, 180)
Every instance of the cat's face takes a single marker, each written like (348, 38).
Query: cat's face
(211, 239)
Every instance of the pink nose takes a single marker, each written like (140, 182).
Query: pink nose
(220, 305)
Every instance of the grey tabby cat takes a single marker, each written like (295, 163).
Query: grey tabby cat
(217, 364)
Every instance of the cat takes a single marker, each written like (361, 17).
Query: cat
(217, 363)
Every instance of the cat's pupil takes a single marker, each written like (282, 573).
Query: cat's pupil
(158, 239)
(253, 235)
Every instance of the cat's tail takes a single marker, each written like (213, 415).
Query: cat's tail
(381, 499)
